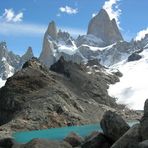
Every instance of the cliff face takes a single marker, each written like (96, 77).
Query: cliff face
(102, 27)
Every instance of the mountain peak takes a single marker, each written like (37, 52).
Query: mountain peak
(102, 27)
(52, 30)
(103, 12)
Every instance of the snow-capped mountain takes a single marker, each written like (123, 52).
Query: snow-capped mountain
(104, 44)
(7, 63)
(10, 62)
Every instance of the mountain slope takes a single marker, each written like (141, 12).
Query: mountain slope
(37, 98)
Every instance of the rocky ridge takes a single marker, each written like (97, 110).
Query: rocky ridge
(72, 94)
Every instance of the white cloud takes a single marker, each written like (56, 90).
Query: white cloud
(68, 10)
(10, 16)
(113, 10)
(15, 29)
(94, 14)
(22, 29)
(141, 34)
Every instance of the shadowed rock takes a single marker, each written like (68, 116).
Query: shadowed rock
(98, 141)
(74, 140)
(113, 125)
(130, 139)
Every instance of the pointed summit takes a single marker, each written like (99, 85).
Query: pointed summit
(102, 27)
(52, 30)
(51, 34)
(27, 56)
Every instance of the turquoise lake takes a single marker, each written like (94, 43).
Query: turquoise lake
(57, 133)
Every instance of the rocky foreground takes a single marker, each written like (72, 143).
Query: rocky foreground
(116, 134)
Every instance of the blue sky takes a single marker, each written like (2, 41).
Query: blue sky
(23, 22)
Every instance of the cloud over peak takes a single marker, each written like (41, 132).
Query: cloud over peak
(68, 10)
(141, 34)
(10, 16)
(113, 10)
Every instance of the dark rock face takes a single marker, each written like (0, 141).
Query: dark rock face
(42, 143)
(134, 57)
(144, 122)
(74, 140)
(102, 27)
(130, 139)
(113, 125)
(7, 143)
(59, 67)
(98, 141)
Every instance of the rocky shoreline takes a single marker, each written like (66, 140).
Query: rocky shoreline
(116, 134)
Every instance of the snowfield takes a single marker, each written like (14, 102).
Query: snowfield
(133, 86)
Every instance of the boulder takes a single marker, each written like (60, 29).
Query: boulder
(7, 143)
(130, 139)
(98, 141)
(134, 57)
(144, 122)
(113, 125)
(143, 144)
(74, 140)
(43, 143)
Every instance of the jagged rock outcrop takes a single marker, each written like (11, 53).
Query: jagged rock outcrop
(102, 27)
(27, 56)
(8, 61)
(47, 54)
(52, 30)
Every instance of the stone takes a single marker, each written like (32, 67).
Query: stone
(144, 122)
(130, 139)
(98, 141)
(102, 27)
(113, 125)
(73, 139)
(7, 143)
(43, 143)
(143, 144)
(134, 57)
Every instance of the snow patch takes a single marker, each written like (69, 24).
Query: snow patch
(2, 82)
(133, 86)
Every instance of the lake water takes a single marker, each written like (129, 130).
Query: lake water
(57, 133)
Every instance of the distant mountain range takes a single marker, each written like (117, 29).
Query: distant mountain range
(103, 42)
